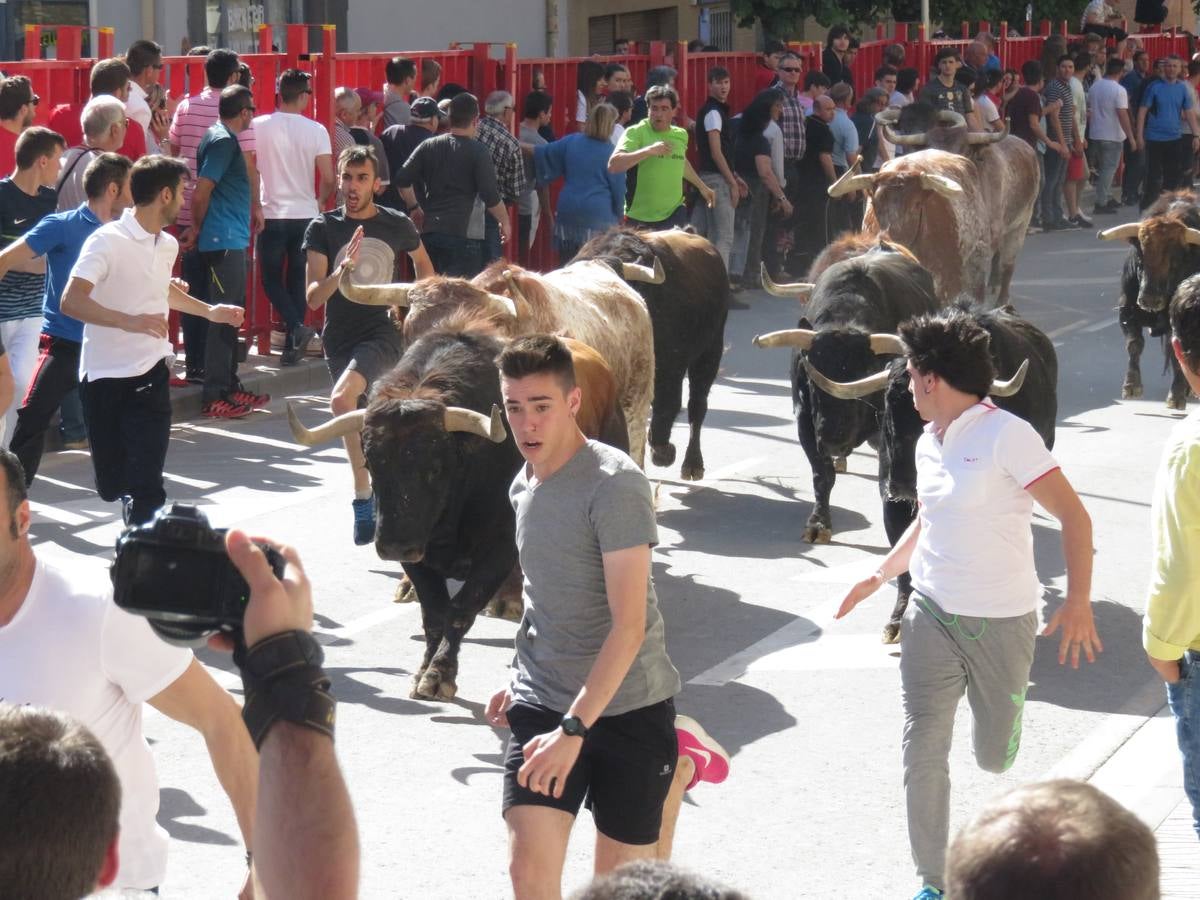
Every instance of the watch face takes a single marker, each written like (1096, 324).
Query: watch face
(573, 726)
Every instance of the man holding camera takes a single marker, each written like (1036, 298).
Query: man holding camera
(65, 645)
(121, 289)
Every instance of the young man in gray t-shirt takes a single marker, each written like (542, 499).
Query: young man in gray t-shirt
(590, 704)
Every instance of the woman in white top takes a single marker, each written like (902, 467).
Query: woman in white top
(973, 619)
(590, 86)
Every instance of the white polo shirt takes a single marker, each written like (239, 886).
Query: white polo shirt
(974, 556)
(131, 271)
(70, 648)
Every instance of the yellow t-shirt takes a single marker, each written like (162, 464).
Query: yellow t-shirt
(659, 189)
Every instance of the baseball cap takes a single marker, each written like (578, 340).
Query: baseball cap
(368, 96)
(427, 108)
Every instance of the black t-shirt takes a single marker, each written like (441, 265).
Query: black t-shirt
(385, 236)
(399, 141)
(454, 170)
(818, 139)
(21, 292)
(868, 139)
(703, 153)
(957, 97)
(746, 148)
(1026, 102)
(834, 68)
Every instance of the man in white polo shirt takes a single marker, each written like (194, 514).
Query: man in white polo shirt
(121, 289)
(973, 619)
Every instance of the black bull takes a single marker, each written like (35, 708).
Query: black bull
(1013, 341)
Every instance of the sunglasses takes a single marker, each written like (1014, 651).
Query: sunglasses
(156, 65)
(789, 68)
(35, 100)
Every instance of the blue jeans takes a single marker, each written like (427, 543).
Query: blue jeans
(454, 255)
(281, 260)
(1184, 698)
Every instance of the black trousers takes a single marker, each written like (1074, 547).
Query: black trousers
(129, 425)
(226, 270)
(56, 375)
(195, 328)
(1164, 168)
(282, 262)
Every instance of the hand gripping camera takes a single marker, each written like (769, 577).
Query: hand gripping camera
(175, 572)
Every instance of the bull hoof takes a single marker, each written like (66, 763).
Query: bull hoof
(663, 454)
(513, 610)
(494, 609)
(692, 471)
(818, 534)
(891, 633)
(432, 685)
(405, 592)
(839, 465)
(1179, 403)
(1131, 391)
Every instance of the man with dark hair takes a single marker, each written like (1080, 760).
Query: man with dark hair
(617, 77)
(767, 64)
(58, 238)
(26, 196)
(109, 77)
(816, 84)
(145, 67)
(431, 78)
(1062, 839)
(590, 703)
(66, 646)
(60, 802)
(973, 620)
(453, 169)
(1064, 129)
(221, 220)
(399, 141)
(494, 131)
(193, 117)
(293, 146)
(121, 289)
(645, 879)
(893, 55)
(18, 106)
(885, 79)
(946, 92)
(715, 166)
(1110, 127)
(360, 343)
(1134, 81)
(401, 75)
(659, 151)
(1165, 102)
(535, 199)
(621, 46)
(1025, 111)
(658, 76)
(1171, 625)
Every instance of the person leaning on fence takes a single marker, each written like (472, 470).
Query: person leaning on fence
(752, 165)
(293, 146)
(401, 75)
(534, 203)
(714, 165)
(105, 124)
(617, 78)
(765, 74)
(399, 141)
(834, 58)
(592, 199)
(145, 62)
(589, 88)
(109, 77)
(659, 151)
(18, 106)
(431, 78)
(494, 130)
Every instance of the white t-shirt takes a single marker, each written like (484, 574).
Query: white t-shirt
(69, 648)
(774, 135)
(974, 555)
(1104, 99)
(618, 132)
(581, 107)
(987, 109)
(131, 271)
(288, 147)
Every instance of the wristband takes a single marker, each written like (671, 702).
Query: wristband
(283, 679)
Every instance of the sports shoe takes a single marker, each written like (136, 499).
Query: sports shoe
(223, 409)
(929, 893)
(243, 397)
(81, 444)
(1113, 205)
(194, 376)
(1079, 221)
(302, 337)
(176, 381)
(712, 762)
(364, 521)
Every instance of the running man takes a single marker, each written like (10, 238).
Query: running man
(360, 342)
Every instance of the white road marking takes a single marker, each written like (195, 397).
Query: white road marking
(243, 436)
(1078, 325)
(830, 651)
(1100, 326)
(190, 482)
(361, 624)
(58, 515)
(63, 484)
(798, 631)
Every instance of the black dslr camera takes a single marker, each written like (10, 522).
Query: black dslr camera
(175, 572)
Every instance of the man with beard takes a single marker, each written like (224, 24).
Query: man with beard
(121, 289)
(360, 342)
(18, 105)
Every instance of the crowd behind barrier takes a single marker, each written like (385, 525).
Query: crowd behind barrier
(479, 69)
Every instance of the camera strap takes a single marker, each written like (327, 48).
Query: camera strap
(283, 680)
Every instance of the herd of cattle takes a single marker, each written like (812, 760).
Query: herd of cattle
(943, 226)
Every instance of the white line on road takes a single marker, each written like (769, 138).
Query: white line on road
(243, 436)
(363, 623)
(1078, 325)
(1100, 326)
(190, 482)
(63, 484)
(58, 515)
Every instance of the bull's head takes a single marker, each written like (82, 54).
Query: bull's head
(1169, 251)
(942, 129)
(415, 454)
(400, 294)
(900, 197)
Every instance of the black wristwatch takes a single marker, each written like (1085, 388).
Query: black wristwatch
(573, 726)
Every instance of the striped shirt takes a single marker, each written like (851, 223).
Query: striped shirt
(21, 292)
(193, 117)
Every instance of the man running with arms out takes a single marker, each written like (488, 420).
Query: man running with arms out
(590, 704)
(973, 619)
(360, 342)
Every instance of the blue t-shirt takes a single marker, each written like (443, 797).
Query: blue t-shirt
(59, 237)
(227, 222)
(1166, 100)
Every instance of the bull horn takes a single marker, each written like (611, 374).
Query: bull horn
(1120, 232)
(646, 274)
(339, 426)
(467, 420)
(799, 289)
(889, 116)
(800, 338)
(988, 137)
(904, 140)
(950, 117)
(1010, 387)
(947, 187)
(373, 294)
(506, 303)
(853, 180)
(1192, 236)
(511, 278)
(847, 390)
(884, 344)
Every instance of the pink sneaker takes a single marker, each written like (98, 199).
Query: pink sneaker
(712, 762)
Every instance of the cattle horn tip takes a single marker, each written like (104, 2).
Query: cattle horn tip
(800, 289)
(1013, 385)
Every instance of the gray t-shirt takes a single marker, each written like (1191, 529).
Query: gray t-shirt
(525, 202)
(597, 503)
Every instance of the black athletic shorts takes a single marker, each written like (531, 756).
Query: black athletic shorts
(623, 773)
(370, 358)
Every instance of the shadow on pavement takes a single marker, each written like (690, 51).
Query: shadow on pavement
(175, 804)
(735, 714)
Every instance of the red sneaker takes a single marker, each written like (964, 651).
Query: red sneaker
(176, 381)
(712, 762)
(248, 398)
(223, 409)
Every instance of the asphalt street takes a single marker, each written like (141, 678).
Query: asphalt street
(808, 708)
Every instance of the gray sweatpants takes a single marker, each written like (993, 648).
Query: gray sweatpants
(943, 655)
